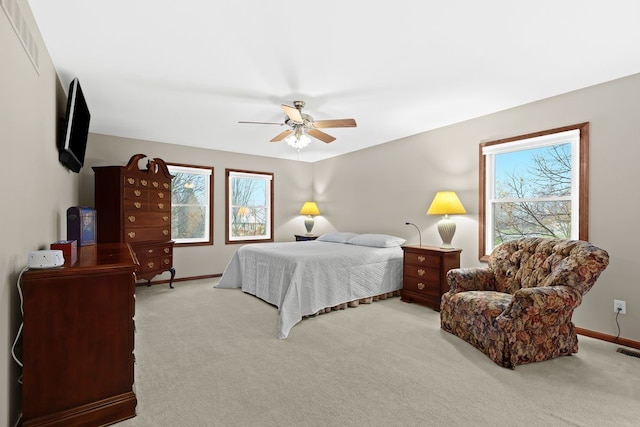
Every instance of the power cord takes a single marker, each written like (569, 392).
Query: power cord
(19, 334)
(617, 324)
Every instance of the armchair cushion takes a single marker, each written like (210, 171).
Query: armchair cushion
(518, 309)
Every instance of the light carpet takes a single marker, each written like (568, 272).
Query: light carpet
(210, 357)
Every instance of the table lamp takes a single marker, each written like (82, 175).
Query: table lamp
(446, 203)
(309, 209)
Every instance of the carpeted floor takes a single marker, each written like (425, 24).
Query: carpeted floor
(210, 357)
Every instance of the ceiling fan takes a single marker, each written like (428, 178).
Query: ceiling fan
(302, 124)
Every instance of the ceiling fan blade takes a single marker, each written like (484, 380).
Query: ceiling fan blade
(292, 113)
(324, 137)
(263, 123)
(281, 136)
(338, 123)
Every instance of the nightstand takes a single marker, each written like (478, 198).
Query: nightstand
(425, 273)
(303, 237)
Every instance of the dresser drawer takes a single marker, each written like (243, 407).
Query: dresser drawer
(160, 185)
(135, 205)
(135, 181)
(144, 252)
(421, 259)
(426, 274)
(160, 206)
(149, 234)
(147, 219)
(421, 286)
(154, 257)
(133, 193)
(159, 196)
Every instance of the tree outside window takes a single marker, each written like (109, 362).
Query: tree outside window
(249, 206)
(191, 198)
(534, 185)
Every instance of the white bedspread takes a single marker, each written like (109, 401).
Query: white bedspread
(300, 278)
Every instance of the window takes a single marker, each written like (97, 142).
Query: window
(191, 210)
(249, 214)
(534, 185)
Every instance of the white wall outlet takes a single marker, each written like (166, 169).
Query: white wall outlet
(619, 306)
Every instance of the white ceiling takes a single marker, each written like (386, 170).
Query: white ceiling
(186, 71)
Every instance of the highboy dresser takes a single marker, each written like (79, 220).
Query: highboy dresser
(134, 206)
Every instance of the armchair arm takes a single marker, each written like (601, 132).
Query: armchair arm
(533, 307)
(470, 279)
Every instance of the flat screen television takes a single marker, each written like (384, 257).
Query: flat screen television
(73, 143)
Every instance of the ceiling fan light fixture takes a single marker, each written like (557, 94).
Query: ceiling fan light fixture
(298, 140)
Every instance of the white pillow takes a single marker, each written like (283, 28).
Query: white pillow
(337, 237)
(376, 240)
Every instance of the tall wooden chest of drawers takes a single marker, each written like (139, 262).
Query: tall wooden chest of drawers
(424, 274)
(133, 206)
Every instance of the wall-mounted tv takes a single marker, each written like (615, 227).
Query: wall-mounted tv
(76, 129)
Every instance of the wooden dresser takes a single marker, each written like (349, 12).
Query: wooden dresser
(424, 273)
(133, 206)
(78, 340)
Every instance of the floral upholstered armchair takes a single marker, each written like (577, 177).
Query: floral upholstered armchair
(518, 309)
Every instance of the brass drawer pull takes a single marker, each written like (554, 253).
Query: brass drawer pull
(165, 185)
(144, 182)
(165, 232)
(137, 205)
(160, 205)
(420, 285)
(161, 195)
(166, 261)
(155, 184)
(132, 218)
(150, 264)
(137, 193)
(131, 181)
(166, 250)
(150, 251)
(132, 234)
(421, 272)
(421, 258)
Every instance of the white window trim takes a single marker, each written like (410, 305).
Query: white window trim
(268, 232)
(490, 151)
(173, 169)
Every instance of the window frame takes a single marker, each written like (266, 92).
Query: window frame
(208, 233)
(229, 239)
(582, 176)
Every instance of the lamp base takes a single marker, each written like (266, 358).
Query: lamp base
(446, 228)
(308, 223)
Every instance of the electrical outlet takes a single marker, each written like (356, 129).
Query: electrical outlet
(619, 306)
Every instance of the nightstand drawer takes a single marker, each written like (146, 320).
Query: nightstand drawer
(431, 275)
(424, 287)
(421, 259)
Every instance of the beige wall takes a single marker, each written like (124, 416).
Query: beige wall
(378, 189)
(37, 188)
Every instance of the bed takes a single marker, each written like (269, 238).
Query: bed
(305, 278)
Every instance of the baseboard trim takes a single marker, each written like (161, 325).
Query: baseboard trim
(609, 338)
(180, 279)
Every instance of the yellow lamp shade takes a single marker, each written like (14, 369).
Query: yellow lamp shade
(309, 208)
(446, 203)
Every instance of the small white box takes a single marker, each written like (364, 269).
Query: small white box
(45, 259)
